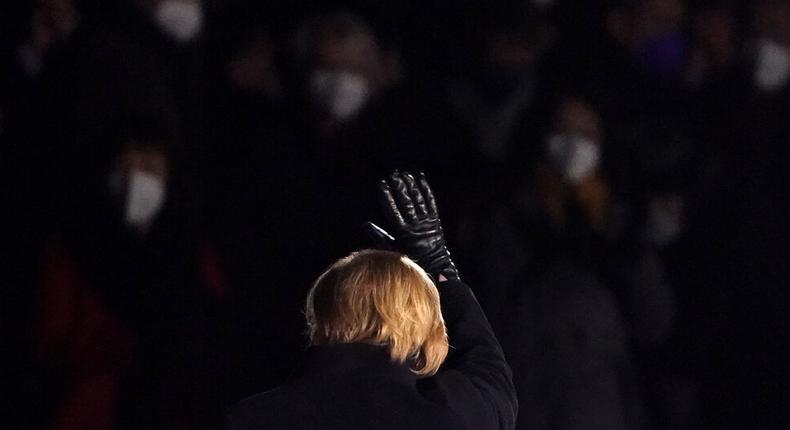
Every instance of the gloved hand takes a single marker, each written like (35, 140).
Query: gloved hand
(410, 209)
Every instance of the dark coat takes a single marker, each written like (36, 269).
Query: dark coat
(357, 386)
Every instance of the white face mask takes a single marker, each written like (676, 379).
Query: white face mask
(342, 93)
(772, 65)
(145, 196)
(576, 156)
(181, 19)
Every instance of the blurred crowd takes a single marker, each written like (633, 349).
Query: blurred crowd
(611, 173)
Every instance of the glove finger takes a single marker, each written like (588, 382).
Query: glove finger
(430, 200)
(416, 195)
(403, 199)
(379, 236)
(390, 206)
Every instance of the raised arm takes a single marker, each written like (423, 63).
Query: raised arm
(475, 380)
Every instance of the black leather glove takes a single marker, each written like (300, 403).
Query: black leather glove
(410, 209)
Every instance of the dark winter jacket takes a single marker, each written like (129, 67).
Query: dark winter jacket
(357, 386)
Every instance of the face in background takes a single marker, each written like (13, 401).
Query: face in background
(510, 61)
(772, 47)
(344, 73)
(652, 31)
(181, 20)
(254, 69)
(345, 65)
(511, 53)
(574, 146)
(772, 20)
(715, 33)
(715, 44)
(515, 36)
(649, 19)
(657, 17)
(715, 30)
(139, 184)
(352, 50)
(52, 20)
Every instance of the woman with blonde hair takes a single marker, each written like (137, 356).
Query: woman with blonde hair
(391, 349)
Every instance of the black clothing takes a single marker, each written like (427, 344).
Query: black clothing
(356, 386)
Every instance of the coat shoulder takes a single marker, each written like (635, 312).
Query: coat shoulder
(256, 411)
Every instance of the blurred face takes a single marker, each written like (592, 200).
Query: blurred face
(657, 17)
(773, 20)
(346, 71)
(182, 20)
(508, 65)
(139, 183)
(511, 53)
(577, 117)
(52, 20)
(651, 20)
(715, 30)
(354, 53)
(60, 14)
(574, 146)
(149, 160)
(254, 69)
(657, 38)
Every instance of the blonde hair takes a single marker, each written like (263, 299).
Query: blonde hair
(379, 298)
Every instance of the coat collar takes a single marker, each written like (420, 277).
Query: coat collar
(354, 360)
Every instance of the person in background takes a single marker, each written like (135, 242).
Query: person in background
(30, 35)
(501, 101)
(584, 290)
(719, 80)
(770, 72)
(128, 305)
(497, 100)
(247, 166)
(33, 35)
(376, 325)
(345, 68)
(638, 80)
(733, 259)
(770, 50)
(715, 46)
(573, 155)
(121, 57)
(357, 119)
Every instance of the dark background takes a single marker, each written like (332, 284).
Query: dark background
(611, 177)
